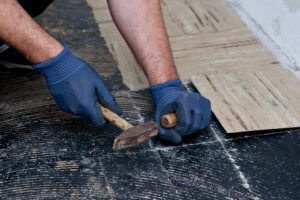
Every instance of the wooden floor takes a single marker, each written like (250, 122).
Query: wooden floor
(247, 86)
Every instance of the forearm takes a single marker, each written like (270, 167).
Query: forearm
(141, 24)
(21, 32)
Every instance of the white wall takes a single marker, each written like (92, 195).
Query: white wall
(279, 20)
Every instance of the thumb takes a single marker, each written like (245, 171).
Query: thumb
(106, 99)
(96, 115)
(170, 135)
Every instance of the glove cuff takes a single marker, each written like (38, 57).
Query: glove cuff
(60, 67)
(162, 89)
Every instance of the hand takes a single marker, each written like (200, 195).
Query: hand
(192, 110)
(76, 87)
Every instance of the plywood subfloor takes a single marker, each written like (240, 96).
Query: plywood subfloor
(247, 86)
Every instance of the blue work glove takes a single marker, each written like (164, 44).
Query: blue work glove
(76, 87)
(192, 110)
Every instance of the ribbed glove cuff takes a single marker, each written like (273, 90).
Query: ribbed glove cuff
(60, 67)
(160, 90)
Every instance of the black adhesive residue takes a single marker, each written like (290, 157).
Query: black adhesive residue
(47, 154)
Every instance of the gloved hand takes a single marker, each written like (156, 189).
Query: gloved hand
(192, 110)
(76, 87)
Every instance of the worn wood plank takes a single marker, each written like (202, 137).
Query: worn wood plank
(123, 56)
(220, 51)
(97, 4)
(215, 16)
(102, 16)
(132, 74)
(252, 100)
(204, 35)
(183, 18)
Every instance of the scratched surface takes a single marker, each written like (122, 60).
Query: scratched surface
(47, 154)
(248, 87)
(260, 99)
(205, 35)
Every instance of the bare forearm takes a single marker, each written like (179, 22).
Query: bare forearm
(21, 32)
(141, 24)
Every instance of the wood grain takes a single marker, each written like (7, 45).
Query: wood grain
(115, 119)
(247, 86)
(48, 154)
(252, 100)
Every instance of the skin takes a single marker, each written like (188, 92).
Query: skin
(21, 32)
(139, 21)
(141, 24)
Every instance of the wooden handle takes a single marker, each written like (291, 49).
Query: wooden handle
(115, 119)
(169, 120)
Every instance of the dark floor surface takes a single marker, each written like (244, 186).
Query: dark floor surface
(47, 154)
